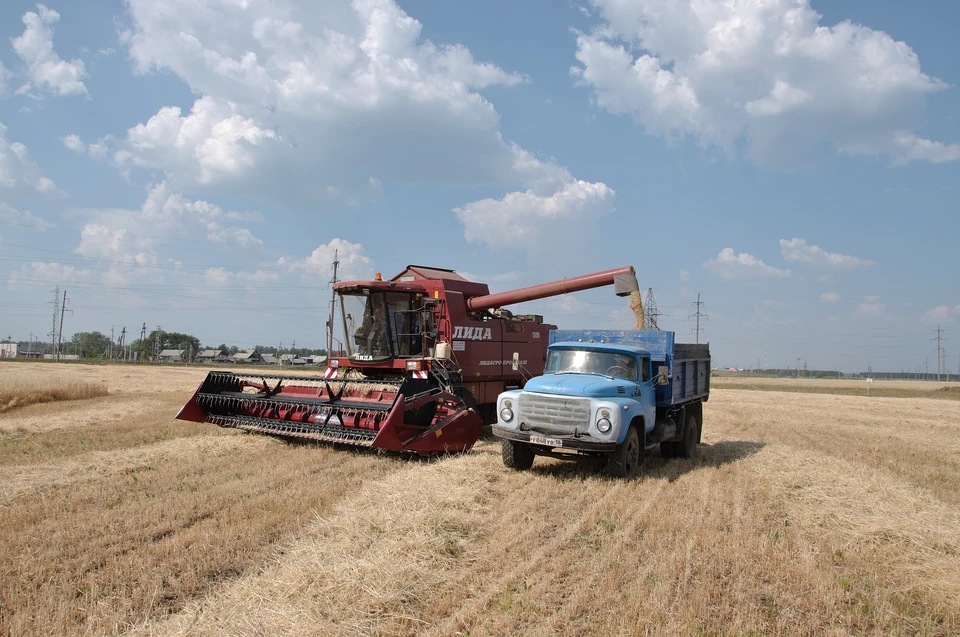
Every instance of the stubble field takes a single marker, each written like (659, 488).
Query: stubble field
(803, 514)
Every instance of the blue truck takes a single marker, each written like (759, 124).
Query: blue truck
(609, 394)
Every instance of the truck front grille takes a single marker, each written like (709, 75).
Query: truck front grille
(559, 414)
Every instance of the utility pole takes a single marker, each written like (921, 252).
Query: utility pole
(938, 338)
(123, 336)
(110, 349)
(143, 337)
(333, 301)
(698, 314)
(55, 328)
(63, 307)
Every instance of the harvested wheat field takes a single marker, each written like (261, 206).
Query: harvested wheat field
(803, 514)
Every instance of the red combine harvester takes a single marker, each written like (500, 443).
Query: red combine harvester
(426, 355)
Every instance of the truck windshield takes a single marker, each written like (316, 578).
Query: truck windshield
(379, 325)
(579, 361)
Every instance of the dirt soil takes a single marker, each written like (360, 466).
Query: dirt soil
(803, 514)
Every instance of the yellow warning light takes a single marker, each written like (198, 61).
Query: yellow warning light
(436, 294)
(378, 277)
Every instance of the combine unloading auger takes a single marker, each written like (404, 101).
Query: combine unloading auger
(427, 354)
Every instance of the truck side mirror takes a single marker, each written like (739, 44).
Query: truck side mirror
(515, 363)
(662, 376)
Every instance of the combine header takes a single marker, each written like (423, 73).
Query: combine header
(426, 355)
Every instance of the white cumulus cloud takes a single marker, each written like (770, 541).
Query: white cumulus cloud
(830, 297)
(11, 215)
(210, 142)
(525, 220)
(44, 66)
(743, 266)
(869, 310)
(799, 251)
(19, 173)
(941, 315)
(314, 103)
(354, 264)
(767, 76)
(4, 76)
(130, 236)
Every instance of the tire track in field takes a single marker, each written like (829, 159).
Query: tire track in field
(481, 599)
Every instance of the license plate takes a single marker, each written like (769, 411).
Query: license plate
(547, 442)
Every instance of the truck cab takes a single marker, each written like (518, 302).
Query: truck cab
(607, 399)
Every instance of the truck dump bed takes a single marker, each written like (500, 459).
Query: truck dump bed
(688, 364)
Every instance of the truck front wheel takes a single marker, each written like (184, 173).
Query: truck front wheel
(517, 455)
(625, 460)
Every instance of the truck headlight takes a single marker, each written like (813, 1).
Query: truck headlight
(506, 415)
(603, 425)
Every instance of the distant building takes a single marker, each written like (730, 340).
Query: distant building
(8, 349)
(171, 356)
(213, 356)
(268, 359)
(252, 357)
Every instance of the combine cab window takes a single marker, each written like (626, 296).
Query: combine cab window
(380, 325)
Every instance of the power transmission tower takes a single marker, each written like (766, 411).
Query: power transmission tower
(120, 345)
(55, 329)
(698, 314)
(650, 310)
(938, 338)
(333, 301)
(156, 344)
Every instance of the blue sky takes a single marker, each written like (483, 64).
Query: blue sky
(194, 164)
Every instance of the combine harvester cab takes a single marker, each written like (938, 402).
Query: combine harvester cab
(424, 357)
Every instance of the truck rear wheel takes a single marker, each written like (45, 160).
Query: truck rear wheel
(687, 448)
(625, 460)
(517, 455)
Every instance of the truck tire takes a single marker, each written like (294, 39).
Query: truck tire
(668, 450)
(625, 460)
(517, 455)
(687, 448)
(698, 412)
